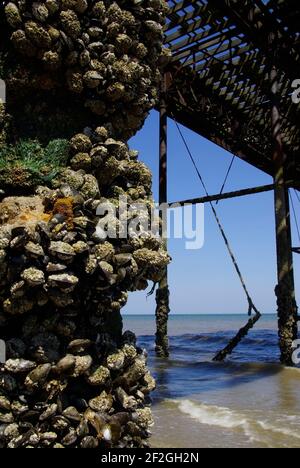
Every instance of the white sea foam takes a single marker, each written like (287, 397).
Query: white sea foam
(279, 430)
(212, 415)
(255, 430)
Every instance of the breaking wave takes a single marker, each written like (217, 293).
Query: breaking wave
(255, 429)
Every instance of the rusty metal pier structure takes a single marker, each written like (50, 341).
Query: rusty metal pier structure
(231, 79)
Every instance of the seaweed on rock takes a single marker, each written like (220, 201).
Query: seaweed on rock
(81, 77)
(26, 164)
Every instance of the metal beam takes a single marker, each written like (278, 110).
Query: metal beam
(225, 196)
(260, 32)
(221, 77)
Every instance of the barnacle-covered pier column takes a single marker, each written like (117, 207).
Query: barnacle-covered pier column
(163, 293)
(81, 77)
(285, 290)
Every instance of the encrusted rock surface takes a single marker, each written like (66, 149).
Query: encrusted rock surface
(85, 72)
(104, 53)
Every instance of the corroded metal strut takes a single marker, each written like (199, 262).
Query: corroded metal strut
(228, 196)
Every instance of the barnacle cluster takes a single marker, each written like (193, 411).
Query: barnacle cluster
(81, 76)
(105, 54)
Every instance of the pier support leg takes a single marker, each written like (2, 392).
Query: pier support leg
(163, 294)
(162, 313)
(285, 290)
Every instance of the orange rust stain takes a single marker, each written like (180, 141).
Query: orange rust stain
(45, 217)
(64, 206)
(34, 216)
(28, 217)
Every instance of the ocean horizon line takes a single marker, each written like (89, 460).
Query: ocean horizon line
(220, 314)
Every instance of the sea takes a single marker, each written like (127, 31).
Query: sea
(249, 401)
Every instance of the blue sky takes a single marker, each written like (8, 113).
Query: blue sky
(204, 281)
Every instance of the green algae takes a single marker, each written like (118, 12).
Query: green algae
(28, 164)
